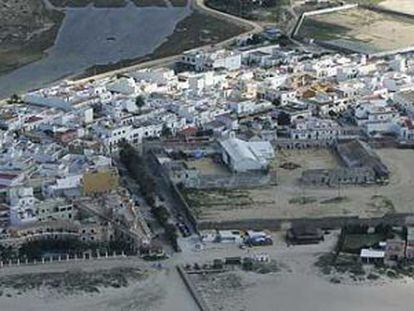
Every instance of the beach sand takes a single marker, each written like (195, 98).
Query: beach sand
(160, 291)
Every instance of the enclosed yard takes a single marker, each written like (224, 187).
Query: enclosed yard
(207, 166)
(289, 199)
(405, 6)
(361, 30)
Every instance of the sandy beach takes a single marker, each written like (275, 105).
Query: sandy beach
(296, 285)
(300, 286)
(298, 292)
(159, 291)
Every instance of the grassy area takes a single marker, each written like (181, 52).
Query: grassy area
(335, 200)
(147, 3)
(71, 282)
(254, 10)
(322, 30)
(116, 3)
(303, 200)
(32, 50)
(354, 242)
(82, 3)
(179, 2)
(330, 263)
(380, 202)
(201, 200)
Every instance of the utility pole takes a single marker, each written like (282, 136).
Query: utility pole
(339, 189)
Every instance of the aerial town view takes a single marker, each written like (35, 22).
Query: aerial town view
(206, 155)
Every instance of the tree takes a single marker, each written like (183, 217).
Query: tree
(166, 131)
(283, 118)
(171, 235)
(14, 99)
(139, 102)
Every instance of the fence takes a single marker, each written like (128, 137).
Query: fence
(318, 12)
(247, 180)
(62, 259)
(193, 290)
(324, 222)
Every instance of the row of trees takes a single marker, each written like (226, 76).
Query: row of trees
(163, 216)
(139, 172)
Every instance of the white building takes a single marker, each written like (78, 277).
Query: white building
(316, 129)
(203, 61)
(242, 156)
(22, 206)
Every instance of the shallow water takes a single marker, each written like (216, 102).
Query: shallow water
(90, 36)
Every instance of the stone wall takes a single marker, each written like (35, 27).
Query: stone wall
(233, 181)
(338, 176)
(324, 222)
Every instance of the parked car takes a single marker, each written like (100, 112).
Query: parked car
(185, 231)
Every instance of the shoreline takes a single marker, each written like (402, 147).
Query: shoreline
(35, 49)
(221, 29)
(162, 56)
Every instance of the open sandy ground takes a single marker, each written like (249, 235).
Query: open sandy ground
(405, 6)
(159, 291)
(378, 31)
(281, 201)
(299, 286)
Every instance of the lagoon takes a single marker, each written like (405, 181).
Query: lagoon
(96, 36)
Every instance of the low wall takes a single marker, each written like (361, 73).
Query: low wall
(324, 222)
(318, 12)
(233, 181)
(64, 259)
(302, 143)
(380, 9)
(349, 49)
(202, 305)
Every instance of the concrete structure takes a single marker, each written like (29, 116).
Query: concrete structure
(357, 154)
(199, 60)
(242, 156)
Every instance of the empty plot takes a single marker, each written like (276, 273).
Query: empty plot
(405, 6)
(289, 199)
(360, 29)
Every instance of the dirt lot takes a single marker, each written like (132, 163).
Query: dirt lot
(206, 166)
(361, 28)
(406, 6)
(290, 199)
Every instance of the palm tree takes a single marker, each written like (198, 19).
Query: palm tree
(139, 102)
(14, 99)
